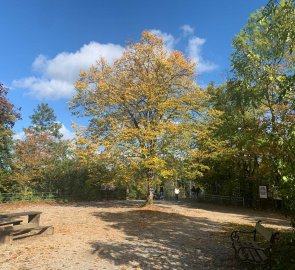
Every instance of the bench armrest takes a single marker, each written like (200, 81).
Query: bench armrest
(235, 235)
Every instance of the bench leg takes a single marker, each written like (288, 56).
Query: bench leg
(34, 219)
(5, 238)
(17, 222)
(48, 230)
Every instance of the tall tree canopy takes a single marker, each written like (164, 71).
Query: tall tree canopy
(138, 106)
(258, 108)
(8, 116)
(264, 64)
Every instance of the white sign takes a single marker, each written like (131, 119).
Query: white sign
(263, 192)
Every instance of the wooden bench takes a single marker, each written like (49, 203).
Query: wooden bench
(10, 221)
(8, 233)
(33, 216)
(249, 252)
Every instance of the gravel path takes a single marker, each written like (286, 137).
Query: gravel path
(122, 235)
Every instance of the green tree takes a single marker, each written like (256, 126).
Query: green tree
(240, 134)
(38, 155)
(44, 120)
(258, 107)
(264, 61)
(8, 116)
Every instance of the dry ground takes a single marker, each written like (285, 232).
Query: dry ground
(122, 235)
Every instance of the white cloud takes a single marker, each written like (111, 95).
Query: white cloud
(58, 74)
(194, 50)
(187, 30)
(54, 77)
(44, 88)
(19, 135)
(169, 40)
(67, 134)
(194, 47)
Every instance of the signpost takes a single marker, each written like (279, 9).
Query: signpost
(262, 192)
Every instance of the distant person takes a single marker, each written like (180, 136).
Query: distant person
(194, 191)
(161, 193)
(187, 192)
(176, 192)
(156, 194)
(198, 190)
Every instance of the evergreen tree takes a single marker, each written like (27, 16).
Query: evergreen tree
(44, 120)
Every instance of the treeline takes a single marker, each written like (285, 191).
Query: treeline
(257, 105)
(34, 162)
(42, 160)
(149, 123)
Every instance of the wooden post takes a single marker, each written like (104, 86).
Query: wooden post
(48, 230)
(34, 219)
(5, 237)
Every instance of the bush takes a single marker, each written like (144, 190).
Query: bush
(284, 252)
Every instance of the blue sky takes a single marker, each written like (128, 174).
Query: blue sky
(44, 43)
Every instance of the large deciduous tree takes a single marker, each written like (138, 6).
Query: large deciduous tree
(139, 108)
(264, 61)
(258, 106)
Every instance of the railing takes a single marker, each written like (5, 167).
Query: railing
(204, 197)
(30, 197)
(52, 196)
(222, 199)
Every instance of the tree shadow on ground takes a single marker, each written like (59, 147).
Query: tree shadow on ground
(106, 204)
(250, 215)
(159, 240)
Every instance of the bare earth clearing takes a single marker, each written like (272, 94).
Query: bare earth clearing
(122, 235)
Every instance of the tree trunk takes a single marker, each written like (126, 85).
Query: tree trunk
(150, 196)
(127, 192)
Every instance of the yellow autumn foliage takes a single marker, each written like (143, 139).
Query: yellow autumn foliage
(140, 107)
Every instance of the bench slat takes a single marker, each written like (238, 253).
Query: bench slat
(19, 228)
(250, 251)
(238, 244)
(23, 228)
(8, 221)
(20, 214)
(6, 236)
(262, 255)
(33, 228)
(254, 255)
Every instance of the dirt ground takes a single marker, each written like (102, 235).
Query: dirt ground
(123, 235)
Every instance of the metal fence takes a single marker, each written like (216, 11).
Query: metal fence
(204, 197)
(238, 201)
(30, 197)
(53, 196)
